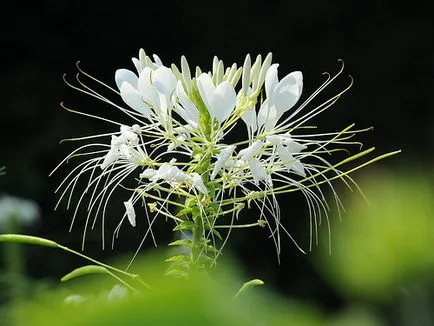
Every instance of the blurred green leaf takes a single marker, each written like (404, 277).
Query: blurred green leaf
(201, 300)
(380, 247)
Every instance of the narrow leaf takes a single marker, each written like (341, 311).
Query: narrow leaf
(185, 225)
(85, 270)
(28, 239)
(184, 243)
(178, 259)
(248, 285)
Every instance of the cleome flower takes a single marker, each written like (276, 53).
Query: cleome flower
(177, 152)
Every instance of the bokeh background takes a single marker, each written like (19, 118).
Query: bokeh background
(388, 48)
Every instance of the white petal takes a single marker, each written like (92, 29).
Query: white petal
(258, 171)
(254, 71)
(164, 81)
(162, 172)
(298, 167)
(136, 63)
(122, 75)
(170, 173)
(271, 80)
(289, 160)
(142, 56)
(246, 74)
(186, 74)
(264, 69)
(157, 60)
(112, 156)
(288, 91)
(187, 110)
(206, 89)
(131, 214)
(220, 101)
(197, 182)
(191, 120)
(267, 116)
(148, 173)
(222, 157)
(274, 139)
(146, 89)
(144, 81)
(223, 101)
(133, 98)
(249, 117)
(248, 153)
(294, 147)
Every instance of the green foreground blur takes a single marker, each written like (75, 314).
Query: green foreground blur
(381, 253)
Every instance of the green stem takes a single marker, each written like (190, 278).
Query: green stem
(197, 241)
(14, 262)
(133, 276)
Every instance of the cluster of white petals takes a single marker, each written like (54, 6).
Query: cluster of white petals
(177, 143)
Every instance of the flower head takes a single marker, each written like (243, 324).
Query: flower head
(176, 146)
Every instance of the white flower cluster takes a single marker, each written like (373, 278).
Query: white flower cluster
(176, 144)
(23, 211)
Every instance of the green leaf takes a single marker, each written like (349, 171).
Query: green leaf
(184, 211)
(85, 270)
(178, 258)
(177, 273)
(183, 243)
(217, 233)
(185, 225)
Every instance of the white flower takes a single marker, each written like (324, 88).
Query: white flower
(170, 173)
(149, 93)
(191, 117)
(220, 100)
(281, 96)
(24, 211)
(124, 147)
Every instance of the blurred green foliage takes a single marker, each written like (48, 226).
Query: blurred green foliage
(381, 247)
(201, 300)
(381, 257)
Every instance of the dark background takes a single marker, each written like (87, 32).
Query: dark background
(388, 47)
